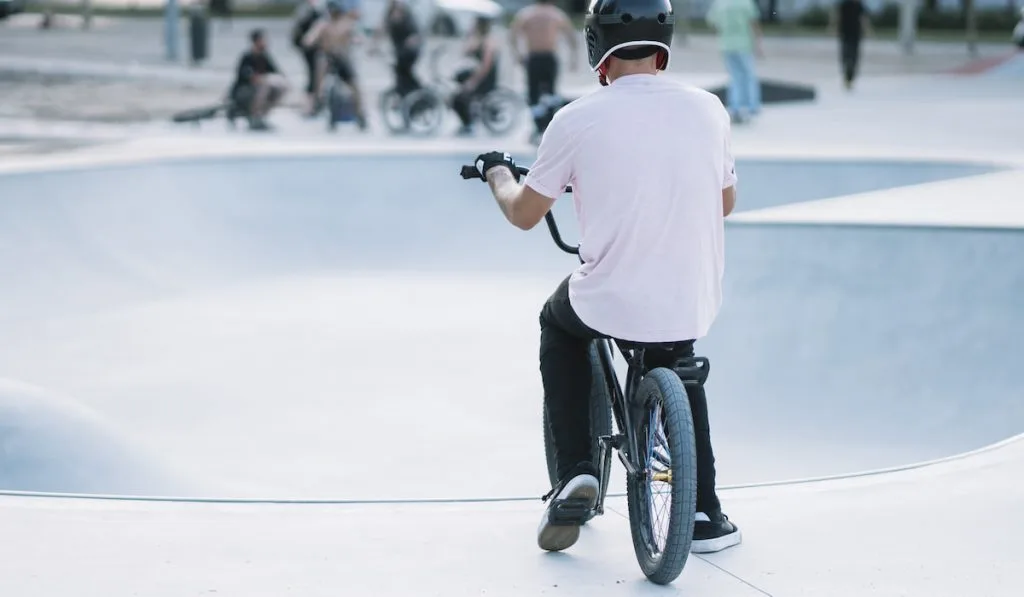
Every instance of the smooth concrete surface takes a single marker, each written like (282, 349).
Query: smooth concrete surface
(945, 530)
(984, 201)
(256, 327)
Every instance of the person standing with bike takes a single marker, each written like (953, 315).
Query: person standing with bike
(306, 15)
(653, 177)
(400, 25)
(541, 25)
(334, 37)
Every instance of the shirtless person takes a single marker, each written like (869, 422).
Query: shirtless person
(334, 36)
(541, 25)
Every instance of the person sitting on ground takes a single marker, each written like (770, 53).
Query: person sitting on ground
(335, 37)
(475, 82)
(258, 74)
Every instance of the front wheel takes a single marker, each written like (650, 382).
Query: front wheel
(662, 499)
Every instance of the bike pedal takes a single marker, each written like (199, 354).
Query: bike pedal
(570, 511)
(613, 442)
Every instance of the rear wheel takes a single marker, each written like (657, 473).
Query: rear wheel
(663, 498)
(392, 111)
(600, 417)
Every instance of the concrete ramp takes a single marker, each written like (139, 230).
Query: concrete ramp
(49, 443)
(338, 354)
(292, 327)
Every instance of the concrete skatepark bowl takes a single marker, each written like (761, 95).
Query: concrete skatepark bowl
(316, 329)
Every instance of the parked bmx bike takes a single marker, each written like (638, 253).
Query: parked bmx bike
(655, 442)
(421, 112)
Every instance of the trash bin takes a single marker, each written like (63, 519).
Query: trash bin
(199, 33)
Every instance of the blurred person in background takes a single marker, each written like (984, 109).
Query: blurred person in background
(737, 23)
(258, 72)
(541, 25)
(334, 37)
(224, 10)
(307, 13)
(400, 25)
(852, 22)
(478, 81)
(1018, 31)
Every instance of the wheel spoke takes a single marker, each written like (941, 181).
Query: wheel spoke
(659, 486)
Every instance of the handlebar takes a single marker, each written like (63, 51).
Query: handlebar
(469, 172)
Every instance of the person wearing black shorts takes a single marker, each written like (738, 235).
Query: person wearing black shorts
(334, 37)
(541, 25)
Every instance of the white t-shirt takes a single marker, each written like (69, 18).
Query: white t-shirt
(648, 158)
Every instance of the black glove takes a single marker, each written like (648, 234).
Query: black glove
(492, 159)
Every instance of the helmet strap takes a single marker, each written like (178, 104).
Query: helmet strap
(602, 74)
(662, 61)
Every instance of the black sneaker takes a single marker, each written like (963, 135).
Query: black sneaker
(570, 504)
(713, 533)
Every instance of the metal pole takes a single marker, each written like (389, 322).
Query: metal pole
(908, 25)
(972, 27)
(171, 19)
(683, 21)
(86, 14)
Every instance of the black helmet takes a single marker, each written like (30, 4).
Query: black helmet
(612, 25)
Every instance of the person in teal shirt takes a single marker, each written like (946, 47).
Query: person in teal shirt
(739, 38)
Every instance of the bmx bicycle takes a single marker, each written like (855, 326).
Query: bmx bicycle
(421, 112)
(655, 441)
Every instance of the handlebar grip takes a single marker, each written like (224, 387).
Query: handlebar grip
(468, 172)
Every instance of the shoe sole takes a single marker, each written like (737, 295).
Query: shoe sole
(717, 544)
(558, 537)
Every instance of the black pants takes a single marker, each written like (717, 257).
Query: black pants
(541, 76)
(849, 52)
(565, 372)
(310, 57)
(462, 100)
(405, 78)
(342, 66)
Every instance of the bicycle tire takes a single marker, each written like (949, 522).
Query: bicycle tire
(600, 417)
(390, 104)
(662, 387)
(504, 100)
(428, 102)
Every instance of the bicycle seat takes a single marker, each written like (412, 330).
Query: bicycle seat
(677, 356)
(666, 346)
